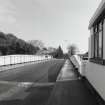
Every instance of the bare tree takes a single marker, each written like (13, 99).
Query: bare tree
(72, 49)
(37, 43)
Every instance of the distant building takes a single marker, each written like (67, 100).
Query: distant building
(95, 68)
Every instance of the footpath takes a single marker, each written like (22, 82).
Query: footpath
(70, 89)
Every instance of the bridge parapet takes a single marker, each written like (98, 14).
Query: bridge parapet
(16, 59)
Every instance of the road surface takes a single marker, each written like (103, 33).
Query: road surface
(33, 73)
(29, 85)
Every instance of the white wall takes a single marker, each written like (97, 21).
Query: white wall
(95, 73)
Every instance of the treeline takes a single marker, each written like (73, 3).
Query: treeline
(10, 44)
(58, 53)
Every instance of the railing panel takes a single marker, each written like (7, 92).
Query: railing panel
(16, 59)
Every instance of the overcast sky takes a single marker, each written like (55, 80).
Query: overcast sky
(55, 22)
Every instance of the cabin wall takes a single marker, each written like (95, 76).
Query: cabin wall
(95, 67)
(95, 73)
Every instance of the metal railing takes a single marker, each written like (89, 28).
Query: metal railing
(18, 59)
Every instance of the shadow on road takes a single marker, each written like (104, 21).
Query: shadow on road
(36, 96)
(11, 102)
(54, 71)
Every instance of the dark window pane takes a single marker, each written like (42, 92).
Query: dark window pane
(100, 26)
(96, 29)
(100, 44)
(96, 46)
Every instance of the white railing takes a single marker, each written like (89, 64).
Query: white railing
(17, 59)
(79, 63)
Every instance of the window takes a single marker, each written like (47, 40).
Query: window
(98, 35)
(100, 44)
(96, 45)
(91, 31)
(100, 26)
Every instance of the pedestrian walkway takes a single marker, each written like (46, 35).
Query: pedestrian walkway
(67, 72)
(70, 90)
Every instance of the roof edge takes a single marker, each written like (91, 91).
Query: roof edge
(97, 13)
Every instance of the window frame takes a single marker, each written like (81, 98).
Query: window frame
(97, 29)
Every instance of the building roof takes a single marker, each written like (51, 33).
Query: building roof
(97, 13)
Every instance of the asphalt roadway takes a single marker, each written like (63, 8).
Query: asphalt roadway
(40, 72)
(40, 77)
